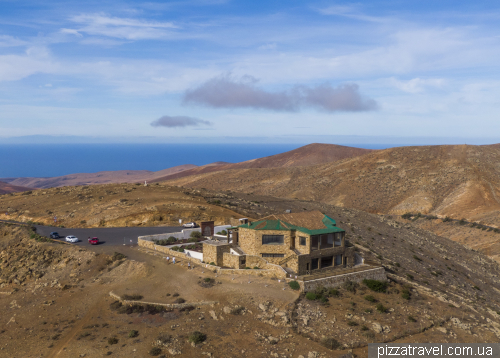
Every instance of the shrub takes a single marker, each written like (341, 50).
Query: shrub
(397, 264)
(294, 285)
(370, 298)
(323, 299)
(350, 286)
(368, 310)
(364, 328)
(330, 343)
(133, 333)
(193, 239)
(212, 263)
(409, 276)
(476, 288)
(406, 294)
(320, 290)
(197, 337)
(407, 216)
(334, 292)
(171, 240)
(164, 338)
(311, 296)
(375, 285)
(112, 340)
(132, 297)
(118, 256)
(180, 300)
(207, 279)
(195, 234)
(462, 221)
(155, 351)
(417, 258)
(380, 307)
(411, 319)
(352, 323)
(446, 219)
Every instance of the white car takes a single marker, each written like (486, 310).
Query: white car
(71, 238)
(192, 224)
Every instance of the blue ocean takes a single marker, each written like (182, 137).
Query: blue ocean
(49, 160)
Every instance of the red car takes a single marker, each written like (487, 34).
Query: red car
(94, 241)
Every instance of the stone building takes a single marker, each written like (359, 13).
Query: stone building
(301, 243)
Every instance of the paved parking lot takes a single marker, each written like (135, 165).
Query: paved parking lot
(108, 235)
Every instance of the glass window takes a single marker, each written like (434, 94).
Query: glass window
(326, 241)
(273, 255)
(338, 239)
(314, 242)
(273, 239)
(326, 261)
(302, 241)
(338, 260)
(314, 264)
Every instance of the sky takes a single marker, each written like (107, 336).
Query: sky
(215, 70)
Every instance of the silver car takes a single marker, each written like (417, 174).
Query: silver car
(71, 238)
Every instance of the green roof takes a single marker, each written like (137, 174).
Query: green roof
(308, 223)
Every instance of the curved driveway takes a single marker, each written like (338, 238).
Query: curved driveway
(109, 235)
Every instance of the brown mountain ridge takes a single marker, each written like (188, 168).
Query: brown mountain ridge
(311, 154)
(452, 180)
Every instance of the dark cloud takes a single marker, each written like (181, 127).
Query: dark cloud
(179, 121)
(226, 91)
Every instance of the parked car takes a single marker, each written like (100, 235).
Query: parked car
(71, 238)
(94, 241)
(191, 224)
(55, 235)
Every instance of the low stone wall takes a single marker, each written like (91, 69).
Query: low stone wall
(167, 305)
(252, 272)
(376, 273)
(165, 250)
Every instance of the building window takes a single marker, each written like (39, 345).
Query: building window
(327, 241)
(273, 239)
(314, 264)
(314, 242)
(326, 261)
(338, 260)
(273, 255)
(302, 241)
(338, 239)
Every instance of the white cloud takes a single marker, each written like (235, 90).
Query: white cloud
(121, 28)
(417, 85)
(71, 32)
(10, 41)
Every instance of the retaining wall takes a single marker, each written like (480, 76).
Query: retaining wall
(377, 273)
(165, 250)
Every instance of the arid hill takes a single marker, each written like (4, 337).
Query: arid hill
(55, 299)
(456, 181)
(311, 154)
(111, 205)
(6, 188)
(118, 176)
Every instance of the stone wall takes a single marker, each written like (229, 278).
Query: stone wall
(230, 260)
(376, 273)
(215, 253)
(250, 242)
